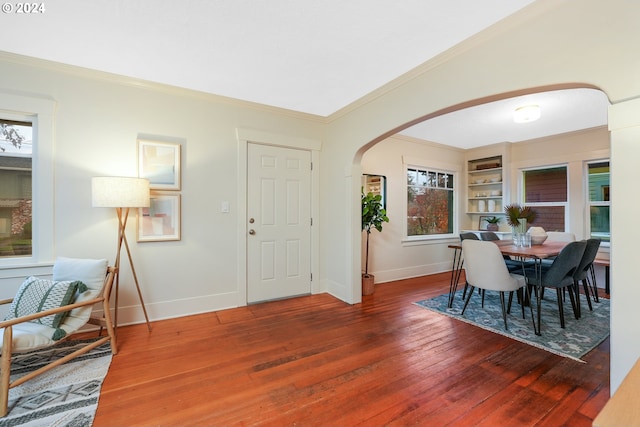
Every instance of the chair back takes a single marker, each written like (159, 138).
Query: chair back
(485, 267)
(91, 272)
(565, 264)
(590, 252)
(489, 236)
(560, 236)
(469, 236)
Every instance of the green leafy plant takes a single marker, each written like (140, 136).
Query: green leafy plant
(373, 215)
(514, 212)
(493, 220)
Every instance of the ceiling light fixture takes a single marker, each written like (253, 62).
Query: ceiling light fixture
(526, 113)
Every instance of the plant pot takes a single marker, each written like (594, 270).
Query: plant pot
(492, 227)
(368, 284)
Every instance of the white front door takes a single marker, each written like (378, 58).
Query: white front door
(278, 222)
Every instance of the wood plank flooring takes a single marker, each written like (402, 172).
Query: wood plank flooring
(316, 361)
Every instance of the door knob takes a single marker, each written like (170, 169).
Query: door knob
(251, 220)
(252, 231)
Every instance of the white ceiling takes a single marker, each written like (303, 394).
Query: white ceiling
(561, 111)
(304, 55)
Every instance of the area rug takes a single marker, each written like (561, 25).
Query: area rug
(574, 341)
(65, 396)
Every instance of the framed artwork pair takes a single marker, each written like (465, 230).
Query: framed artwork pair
(159, 162)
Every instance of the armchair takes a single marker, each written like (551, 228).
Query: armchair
(45, 312)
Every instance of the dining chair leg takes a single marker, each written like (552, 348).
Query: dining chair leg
(594, 284)
(467, 299)
(585, 285)
(560, 307)
(504, 311)
(575, 305)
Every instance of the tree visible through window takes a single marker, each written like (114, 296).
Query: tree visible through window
(430, 201)
(15, 188)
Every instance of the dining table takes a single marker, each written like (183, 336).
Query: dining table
(531, 253)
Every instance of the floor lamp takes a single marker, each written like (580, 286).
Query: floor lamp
(122, 193)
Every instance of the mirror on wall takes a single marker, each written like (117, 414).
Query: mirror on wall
(376, 184)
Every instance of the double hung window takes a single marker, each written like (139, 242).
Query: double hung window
(545, 190)
(598, 200)
(15, 188)
(430, 202)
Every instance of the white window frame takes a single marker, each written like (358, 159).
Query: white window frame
(567, 214)
(40, 112)
(456, 195)
(588, 203)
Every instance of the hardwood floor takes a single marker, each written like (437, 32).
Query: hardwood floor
(316, 361)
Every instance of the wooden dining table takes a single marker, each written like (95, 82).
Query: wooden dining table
(535, 253)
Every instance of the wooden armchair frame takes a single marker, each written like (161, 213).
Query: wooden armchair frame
(7, 339)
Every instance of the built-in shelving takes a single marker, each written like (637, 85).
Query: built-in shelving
(485, 186)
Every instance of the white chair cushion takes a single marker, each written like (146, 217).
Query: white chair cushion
(92, 273)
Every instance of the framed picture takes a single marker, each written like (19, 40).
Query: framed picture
(482, 223)
(161, 220)
(159, 162)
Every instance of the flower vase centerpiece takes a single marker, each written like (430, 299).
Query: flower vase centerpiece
(519, 217)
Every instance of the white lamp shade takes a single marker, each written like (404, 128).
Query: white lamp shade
(119, 192)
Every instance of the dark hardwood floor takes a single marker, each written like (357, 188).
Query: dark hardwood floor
(316, 361)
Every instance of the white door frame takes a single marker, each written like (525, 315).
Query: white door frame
(244, 137)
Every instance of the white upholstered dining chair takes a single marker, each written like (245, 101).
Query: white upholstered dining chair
(485, 269)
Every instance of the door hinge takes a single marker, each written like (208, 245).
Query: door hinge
(311, 277)
(311, 221)
(311, 165)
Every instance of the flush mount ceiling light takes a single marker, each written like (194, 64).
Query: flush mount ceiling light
(526, 113)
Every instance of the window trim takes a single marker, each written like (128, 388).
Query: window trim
(587, 199)
(435, 167)
(40, 112)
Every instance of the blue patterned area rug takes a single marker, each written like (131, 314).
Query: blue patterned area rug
(577, 339)
(66, 395)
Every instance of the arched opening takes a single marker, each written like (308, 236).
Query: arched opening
(556, 139)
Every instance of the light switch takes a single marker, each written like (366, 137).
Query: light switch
(224, 207)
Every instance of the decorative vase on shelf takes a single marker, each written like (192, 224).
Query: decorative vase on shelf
(481, 206)
(491, 205)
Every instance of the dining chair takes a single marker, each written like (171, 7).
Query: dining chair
(469, 236)
(559, 275)
(512, 264)
(485, 269)
(583, 272)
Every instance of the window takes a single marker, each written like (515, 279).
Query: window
(38, 114)
(546, 191)
(15, 191)
(598, 200)
(430, 202)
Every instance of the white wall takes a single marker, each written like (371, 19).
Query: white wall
(97, 121)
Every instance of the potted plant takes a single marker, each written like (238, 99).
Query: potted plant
(373, 215)
(492, 223)
(519, 216)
